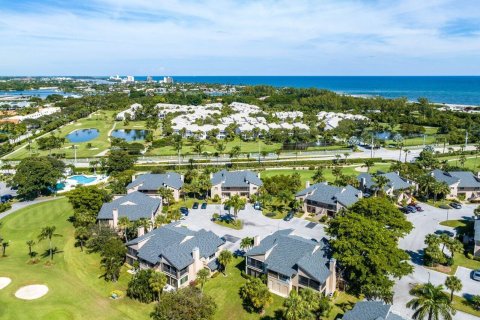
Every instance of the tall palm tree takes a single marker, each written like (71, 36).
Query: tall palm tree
(30, 244)
(235, 202)
(202, 277)
(296, 308)
(167, 196)
(318, 176)
(48, 232)
(157, 281)
(5, 244)
(439, 188)
(225, 257)
(430, 303)
(453, 284)
(124, 223)
(368, 163)
(380, 183)
(81, 234)
(246, 243)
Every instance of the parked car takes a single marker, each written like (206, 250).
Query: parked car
(226, 207)
(419, 209)
(447, 232)
(407, 210)
(195, 205)
(367, 195)
(6, 198)
(413, 209)
(184, 211)
(289, 216)
(476, 275)
(257, 206)
(204, 206)
(455, 205)
(444, 206)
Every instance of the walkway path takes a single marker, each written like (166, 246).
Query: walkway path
(20, 205)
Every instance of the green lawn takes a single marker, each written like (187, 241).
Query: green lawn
(103, 121)
(462, 304)
(76, 288)
(245, 147)
(225, 290)
(306, 175)
(454, 223)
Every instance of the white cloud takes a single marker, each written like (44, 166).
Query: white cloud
(238, 37)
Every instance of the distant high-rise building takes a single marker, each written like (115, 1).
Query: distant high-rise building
(149, 79)
(130, 79)
(167, 80)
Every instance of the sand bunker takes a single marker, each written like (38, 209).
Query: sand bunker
(31, 292)
(4, 281)
(361, 169)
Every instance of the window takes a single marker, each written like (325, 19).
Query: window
(183, 280)
(255, 263)
(183, 271)
(307, 282)
(283, 277)
(169, 269)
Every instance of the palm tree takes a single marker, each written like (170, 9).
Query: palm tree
(202, 277)
(48, 232)
(246, 243)
(368, 163)
(178, 145)
(406, 151)
(124, 223)
(346, 155)
(439, 188)
(157, 281)
(5, 244)
(454, 245)
(236, 203)
(318, 175)
(160, 220)
(81, 234)
(296, 308)
(380, 183)
(167, 196)
(198, 148)
(224, 258)
(430, 302)
(220, 147)
(30, 244)
(453, 284)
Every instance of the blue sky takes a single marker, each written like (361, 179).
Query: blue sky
(240, 37)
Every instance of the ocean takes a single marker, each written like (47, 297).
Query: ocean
(448, 89)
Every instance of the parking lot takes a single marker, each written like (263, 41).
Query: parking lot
(254, 224)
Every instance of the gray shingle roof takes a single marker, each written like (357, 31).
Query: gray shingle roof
(476, 228)
(134, 206)
(236, 178)
(446, 177)
(324, 193)
(287, 252)
(371, 310)
(175, 244)
(395, 181)
(151, 181)
(467, 179)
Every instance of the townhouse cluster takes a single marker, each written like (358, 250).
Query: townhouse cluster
(331, 119)
(247, 118)
(46, 111)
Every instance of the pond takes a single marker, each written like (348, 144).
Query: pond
(130, 134)
(385, 135)
(82, 135)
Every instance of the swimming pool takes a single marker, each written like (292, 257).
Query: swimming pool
(82, 179)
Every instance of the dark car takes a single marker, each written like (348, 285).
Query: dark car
(419, 209)
(444, 206)
(257, 206)
(195, 205)
(413, 209)
(226, 207)
(447, 232)
(407, 210)
(184, 211)
(289, 216)
(204, 206)
(6, 198)
(455, 205)
(476, 275)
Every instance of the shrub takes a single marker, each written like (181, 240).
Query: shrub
(216, 198)
(270, 214)
(324, 218)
